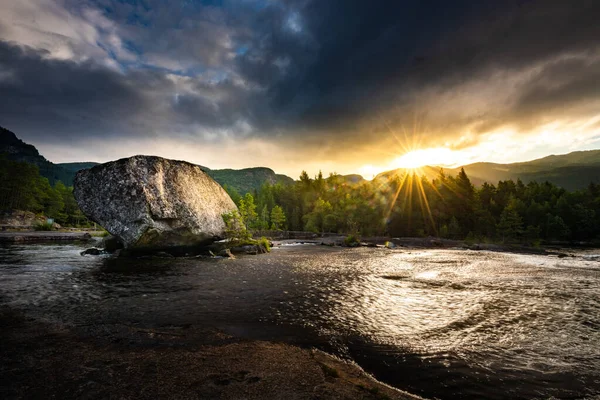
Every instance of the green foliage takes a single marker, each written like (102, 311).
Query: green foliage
(396, 203)
(471, 238)
(277, 218)
(510, 226)
(248, 180)
(351, 241)
(44, 227)
(263, 222)
(233, 193)
(235, 229)
(321, 218)
(22, 188)
(263, 241)
(248, 212)
(446, 206)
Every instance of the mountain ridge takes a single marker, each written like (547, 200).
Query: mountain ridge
(571, 171)
(243, 180)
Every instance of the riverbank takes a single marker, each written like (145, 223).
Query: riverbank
(433, 243)
(45, 360)
(41, 236)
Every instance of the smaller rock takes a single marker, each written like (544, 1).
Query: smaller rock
(94, 251)
(111, 244)
(251, 249)
(226, 253)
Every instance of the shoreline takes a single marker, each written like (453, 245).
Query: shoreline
(41, 236)
(51, 360)
(433, 243)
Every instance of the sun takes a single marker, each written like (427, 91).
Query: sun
(437, 156)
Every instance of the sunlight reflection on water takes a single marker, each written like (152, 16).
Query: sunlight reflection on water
(529, 326)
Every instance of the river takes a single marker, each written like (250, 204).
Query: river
(439, 323)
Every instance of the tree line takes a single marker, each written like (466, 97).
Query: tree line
(398, 205)
(23, 188)
(412, 205)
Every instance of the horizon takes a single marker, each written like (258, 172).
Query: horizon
(341, 87)
(418, 169)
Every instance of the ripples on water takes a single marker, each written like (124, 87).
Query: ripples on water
(440, 323)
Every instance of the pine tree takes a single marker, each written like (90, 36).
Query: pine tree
(510, 225)
(277, 218)
(248, 211)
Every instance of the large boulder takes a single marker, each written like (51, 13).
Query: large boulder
(153, 203)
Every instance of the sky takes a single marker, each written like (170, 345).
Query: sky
(346, 86)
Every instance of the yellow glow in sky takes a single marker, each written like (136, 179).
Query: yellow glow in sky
(441, 156)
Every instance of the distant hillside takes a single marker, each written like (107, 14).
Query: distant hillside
(17, 150)
(247, 179)
(570, 171)
(353, 178)
(72, 168)
(243, 180)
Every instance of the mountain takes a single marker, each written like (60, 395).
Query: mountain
(352, 178)
(243, 180)
(72, 168)
(247, 179)
(570, 171)
(17, 150)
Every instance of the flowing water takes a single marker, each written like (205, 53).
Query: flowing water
(439, 323)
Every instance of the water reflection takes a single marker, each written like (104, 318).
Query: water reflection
(441, 323)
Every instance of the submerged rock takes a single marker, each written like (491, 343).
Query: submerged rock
(111, 244)
(252, 249)
(94, 251)
(153, 203)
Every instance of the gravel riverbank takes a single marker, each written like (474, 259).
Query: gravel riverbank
(44, 360)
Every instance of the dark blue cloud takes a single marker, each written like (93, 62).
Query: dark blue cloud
(297, 67)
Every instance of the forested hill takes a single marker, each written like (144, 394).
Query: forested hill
(571, 171)
(72, 168)
(242, 180)
(17, 150)
(247, 179)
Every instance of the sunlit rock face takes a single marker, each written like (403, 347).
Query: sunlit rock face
(152, 202)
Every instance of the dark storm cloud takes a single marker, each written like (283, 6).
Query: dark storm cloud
(63, 99)
(311, 70)
(375, 60)
(60, 99)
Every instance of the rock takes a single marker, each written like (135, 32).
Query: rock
(18, 218)
(226, 253)
(252, 249)
(111, 244)
(153, 203)
(91, 252)
(368, 244)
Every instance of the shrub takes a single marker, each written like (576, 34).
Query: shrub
(44, 227)
(351, 241)
(263, 241)
(235, 229)
(470, 239)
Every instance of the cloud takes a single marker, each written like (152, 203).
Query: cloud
(339, 82)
